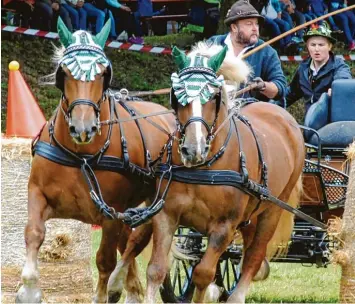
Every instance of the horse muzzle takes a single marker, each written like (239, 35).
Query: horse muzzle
(193, 155)
(83, 134)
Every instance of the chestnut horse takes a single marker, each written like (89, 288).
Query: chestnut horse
(212, 138)
(62, 164)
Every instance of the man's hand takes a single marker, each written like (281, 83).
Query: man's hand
(258, 83)
(125, 8)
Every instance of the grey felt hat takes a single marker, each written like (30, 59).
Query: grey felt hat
(242, 9)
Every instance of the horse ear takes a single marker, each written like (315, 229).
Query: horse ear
(180, 58)
(101, 37)
(65, 36)
(215, 61)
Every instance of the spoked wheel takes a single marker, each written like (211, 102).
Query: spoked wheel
(228, 273)
(178, 286)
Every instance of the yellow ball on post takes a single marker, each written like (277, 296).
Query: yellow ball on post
(14, 65)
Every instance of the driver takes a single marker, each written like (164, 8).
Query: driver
(243, 21)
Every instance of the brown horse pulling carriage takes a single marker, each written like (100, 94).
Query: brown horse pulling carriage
(325, 180)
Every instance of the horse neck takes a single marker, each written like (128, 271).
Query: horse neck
(61, 132)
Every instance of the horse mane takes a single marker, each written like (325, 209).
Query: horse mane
(233, 69)
(57, 55)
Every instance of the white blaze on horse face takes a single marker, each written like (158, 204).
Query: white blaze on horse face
(197, 112)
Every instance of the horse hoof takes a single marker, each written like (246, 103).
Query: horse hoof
(114, 296)
(213, 293)
(263, 272)
(28, 295)
(135, 298)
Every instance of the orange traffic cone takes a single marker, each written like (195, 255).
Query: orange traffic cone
(24, 117)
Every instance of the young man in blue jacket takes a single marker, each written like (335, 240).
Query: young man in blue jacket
(316, 74)
(243, 21)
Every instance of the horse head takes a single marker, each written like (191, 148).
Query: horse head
(198, 97)
(83, 75)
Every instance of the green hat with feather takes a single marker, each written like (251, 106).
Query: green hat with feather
(319, 30)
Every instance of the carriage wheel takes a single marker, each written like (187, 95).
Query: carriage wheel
(227, 276)
(178, 286)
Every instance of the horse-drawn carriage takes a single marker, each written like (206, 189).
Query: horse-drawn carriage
(132, 160)
(325, 180)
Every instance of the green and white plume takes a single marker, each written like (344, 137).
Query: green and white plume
(83, 52)
(196, 77)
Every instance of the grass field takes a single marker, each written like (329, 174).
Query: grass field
(288, 283)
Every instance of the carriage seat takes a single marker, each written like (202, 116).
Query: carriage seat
(333, 118)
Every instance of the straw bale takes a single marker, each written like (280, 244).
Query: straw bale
(15, 148)
(346, 255)
(65, 255)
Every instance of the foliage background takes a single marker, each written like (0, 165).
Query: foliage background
(132, 70)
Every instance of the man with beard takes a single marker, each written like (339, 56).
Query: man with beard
(243, 21)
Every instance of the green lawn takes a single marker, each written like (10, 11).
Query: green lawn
(288, 283)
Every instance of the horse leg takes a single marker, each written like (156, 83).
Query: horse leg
(125, 273)
(106, 258)
(256, 252)
(163, 232)
(38, 213)
(248, 236)
(205, 271)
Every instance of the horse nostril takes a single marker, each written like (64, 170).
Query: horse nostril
(207, 148)
(184, 150)
(72, 129)
(94, 129)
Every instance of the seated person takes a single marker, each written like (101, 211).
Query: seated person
(123, 17)
(76, 12)
(345, 21)
(97, 9)
(291, 15)
(272, 13)
(145, 9)
(46, 13)
(315, 75)
(317, 8)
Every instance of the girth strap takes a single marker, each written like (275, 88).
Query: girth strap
(106, 163)
(234, 179)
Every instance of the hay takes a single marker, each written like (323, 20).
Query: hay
(345, 256)
(15, 148)
(64, 258)
(351, 151)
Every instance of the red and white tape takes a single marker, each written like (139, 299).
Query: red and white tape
(135, 47)
(300, 58)
(112, 44)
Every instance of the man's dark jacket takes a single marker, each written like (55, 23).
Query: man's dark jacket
(265, 64)
(311, 88)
